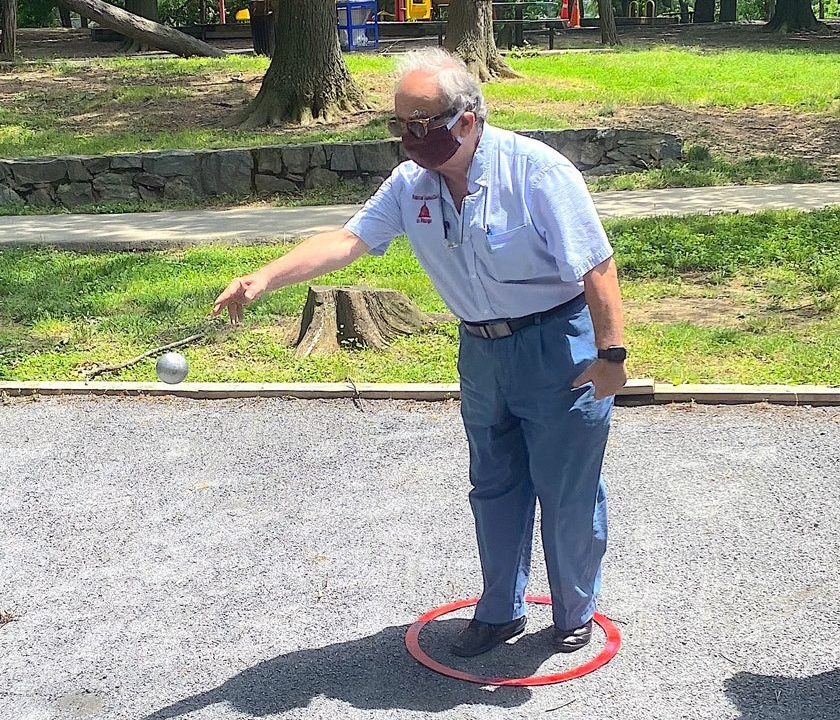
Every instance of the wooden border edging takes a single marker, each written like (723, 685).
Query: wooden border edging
(637, 392)
(745, 394)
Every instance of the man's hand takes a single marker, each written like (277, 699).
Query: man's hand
(237, 295)
(606, 377)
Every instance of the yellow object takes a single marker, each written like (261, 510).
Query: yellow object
(419, 9)
(243, 15)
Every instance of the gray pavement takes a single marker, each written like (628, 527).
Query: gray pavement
(263, 558)
(164, 229)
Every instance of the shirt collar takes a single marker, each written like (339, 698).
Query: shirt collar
(480, 166)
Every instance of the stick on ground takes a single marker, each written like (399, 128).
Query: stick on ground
(102, 369)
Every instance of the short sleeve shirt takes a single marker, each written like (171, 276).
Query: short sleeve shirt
(524, 238)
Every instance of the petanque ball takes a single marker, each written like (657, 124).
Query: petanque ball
(172, 368)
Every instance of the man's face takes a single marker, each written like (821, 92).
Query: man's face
(418, 97)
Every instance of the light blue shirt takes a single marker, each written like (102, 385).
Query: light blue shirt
(527, 233)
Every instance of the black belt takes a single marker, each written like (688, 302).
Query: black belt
(495, 329)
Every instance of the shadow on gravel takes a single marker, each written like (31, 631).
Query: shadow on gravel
(767, 697)
(374, 672)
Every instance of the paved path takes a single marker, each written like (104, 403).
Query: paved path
(263, 559)
(162, 229)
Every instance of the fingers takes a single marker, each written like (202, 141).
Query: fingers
(229, 292)
(239, 293)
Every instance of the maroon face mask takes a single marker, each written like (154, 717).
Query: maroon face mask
(436, 148)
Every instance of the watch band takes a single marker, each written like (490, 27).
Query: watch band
(615, 353)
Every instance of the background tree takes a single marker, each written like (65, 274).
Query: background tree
(728, 11)
(469, 34)
(64, 18)
(146, 31)
(8, 41)
(307, 80)
(606, 21)
(704, 11)
(144, 8)
(790, 15)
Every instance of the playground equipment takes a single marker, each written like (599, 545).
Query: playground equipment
(419, 9)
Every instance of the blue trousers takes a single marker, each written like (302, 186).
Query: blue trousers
(532, 436)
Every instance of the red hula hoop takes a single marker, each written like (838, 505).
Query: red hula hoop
(412, 644)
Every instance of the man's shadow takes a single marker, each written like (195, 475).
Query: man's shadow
(374, 672)
(767, 697)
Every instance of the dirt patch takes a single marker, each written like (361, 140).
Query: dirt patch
(95, 101)
(747, 132)
(733, 305)
(706, 312)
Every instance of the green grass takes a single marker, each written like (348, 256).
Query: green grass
(667, 75)
(41, 135)
(60, 311)
(681, 77)
(714, 172)
(794, 80)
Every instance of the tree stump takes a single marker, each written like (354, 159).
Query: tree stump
(355, 317)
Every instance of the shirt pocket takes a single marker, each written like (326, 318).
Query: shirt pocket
(514, 254)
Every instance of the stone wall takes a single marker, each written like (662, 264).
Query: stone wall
(73, 182)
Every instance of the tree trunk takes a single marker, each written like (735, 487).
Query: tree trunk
(8, 41)
(64, 16)
(308, 80)
(355, 318)
(144, 8)
(791, 15)
(606, 20)
(684, 16)
(728, 11)
(147, 31)
(469, 33)
(704, 11)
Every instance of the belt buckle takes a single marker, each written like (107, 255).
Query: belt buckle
(496, 331)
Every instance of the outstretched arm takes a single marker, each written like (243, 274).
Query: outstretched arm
(316, 256)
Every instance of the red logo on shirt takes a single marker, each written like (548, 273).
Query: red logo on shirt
(425, 216)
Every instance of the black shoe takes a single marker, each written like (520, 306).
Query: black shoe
(479, 637)
(568, 641)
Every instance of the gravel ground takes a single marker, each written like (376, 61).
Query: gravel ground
(237, 559)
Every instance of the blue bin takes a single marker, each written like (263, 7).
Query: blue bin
(355, 32)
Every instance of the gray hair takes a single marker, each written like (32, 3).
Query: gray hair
(458, 89)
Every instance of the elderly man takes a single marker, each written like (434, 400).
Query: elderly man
(508, 233)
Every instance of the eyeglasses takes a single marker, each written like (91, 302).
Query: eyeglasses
(418, 127)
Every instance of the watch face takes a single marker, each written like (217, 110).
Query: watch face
(613, 354)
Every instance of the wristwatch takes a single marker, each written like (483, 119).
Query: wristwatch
(615, 353)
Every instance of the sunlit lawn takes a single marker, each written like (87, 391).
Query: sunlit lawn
(60, 311)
